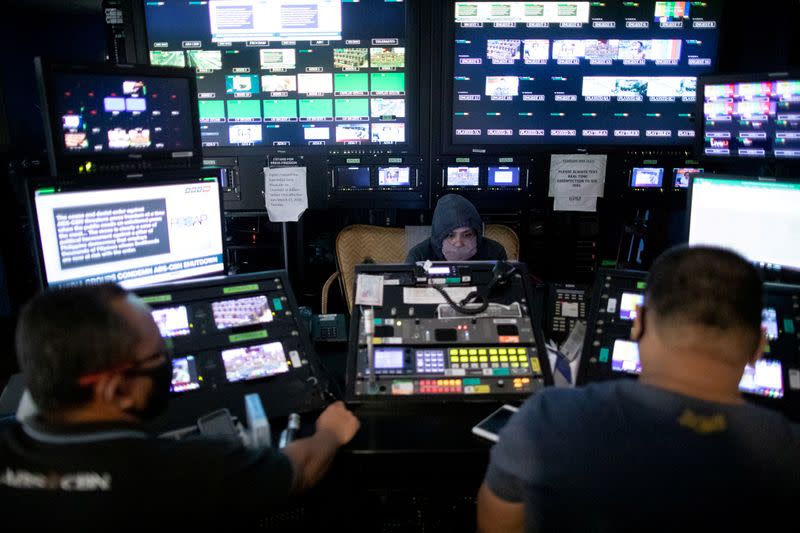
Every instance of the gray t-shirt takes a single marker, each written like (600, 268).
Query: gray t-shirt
(622, 455)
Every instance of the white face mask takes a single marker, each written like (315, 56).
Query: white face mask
(460, 253)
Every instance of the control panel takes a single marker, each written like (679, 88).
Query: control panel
(567, 304)
(773, 381)
(232, 335)
(446, 329)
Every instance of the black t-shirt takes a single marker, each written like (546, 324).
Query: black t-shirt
(117, 477)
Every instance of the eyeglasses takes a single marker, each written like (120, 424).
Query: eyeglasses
(140, 366)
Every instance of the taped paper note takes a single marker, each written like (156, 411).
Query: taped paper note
(427, 295)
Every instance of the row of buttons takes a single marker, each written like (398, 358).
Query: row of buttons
(490, 351)
(440, 386)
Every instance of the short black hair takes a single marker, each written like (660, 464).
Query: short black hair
(63, 334)
(706, 286)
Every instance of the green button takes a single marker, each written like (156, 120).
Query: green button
(788, 325)
(378, 321)
(501, 372)
(157, 299)
(452, 280)
(471, 381)
(240, 288)
(641, 284)
(604, 355)
(277, 304)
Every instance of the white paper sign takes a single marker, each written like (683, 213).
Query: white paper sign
(577, 175)
(369, 290)
(427, 295)
(285, 193)
(575, 203)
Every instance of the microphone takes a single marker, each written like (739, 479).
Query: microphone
(292, 427)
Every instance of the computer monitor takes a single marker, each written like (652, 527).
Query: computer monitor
(288, 73)
(756, 217)
(135, 234)
(116, 119)
(750, 116)
(647, 178)
(589, 73)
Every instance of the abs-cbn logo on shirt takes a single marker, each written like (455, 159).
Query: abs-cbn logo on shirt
(197, 189)
(74, 482)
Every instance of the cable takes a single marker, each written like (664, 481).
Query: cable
(471, 297)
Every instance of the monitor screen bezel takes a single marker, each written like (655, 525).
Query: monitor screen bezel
(104, 182)
(413, 100)
(724, 79)
(63, 163)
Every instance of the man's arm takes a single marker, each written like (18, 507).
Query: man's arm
(496, 515)
(312, 456)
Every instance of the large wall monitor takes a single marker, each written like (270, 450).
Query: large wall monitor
(134, 234)
(756, 217)
(750, 116)
(116, 119)
(290, 73)
(599, 73)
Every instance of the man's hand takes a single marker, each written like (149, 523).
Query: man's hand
(339, 422)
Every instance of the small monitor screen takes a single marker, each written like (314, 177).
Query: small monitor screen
(628, 303)
(254, 362)
(751, 118)
(394, 176)
(172, 321)
(117, 113)
(756, 217)
(135, 236)
(763, 379)
(352, 177)
(647, 177)
(241, 312)
(625, 357)
(769, 322)
(389, 358)
(503, 177)
(184, 374)
(463, 177)
(680, 176)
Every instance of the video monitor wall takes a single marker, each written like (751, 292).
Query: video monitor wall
(591, 73)
(135, 235)
(753, 116)
(290, 73)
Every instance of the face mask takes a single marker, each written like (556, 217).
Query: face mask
(159, 396)
(462, 253)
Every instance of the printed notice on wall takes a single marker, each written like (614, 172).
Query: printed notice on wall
(575, 203)
(285, 193)
(577, 175)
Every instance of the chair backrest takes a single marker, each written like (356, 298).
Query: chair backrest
(362, 243)
(505, 236)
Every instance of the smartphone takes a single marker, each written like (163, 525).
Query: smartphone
(218, 424)
(489, 428)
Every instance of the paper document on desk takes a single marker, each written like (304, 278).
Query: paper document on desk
(428, 295)
(369, 290)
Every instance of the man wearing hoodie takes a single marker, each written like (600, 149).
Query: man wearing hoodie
(456, 235)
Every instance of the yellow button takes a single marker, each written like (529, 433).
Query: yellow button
(503, 351)
(473, 352)
(524, 364)
(473, 358)
(515, 365)
(462, 352)
(453, 351)
(526, 380)
(483, 389)
(454, 359)
(484, 359)
(504, 359)
(493, 359)
(482, 351)
(523, 357)
(535, 366)
(464, 359)
(493, 351)
(512, 351)
(522, 351)
(440, 382)
(513, 357)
